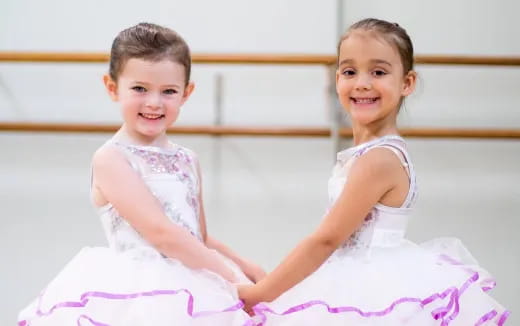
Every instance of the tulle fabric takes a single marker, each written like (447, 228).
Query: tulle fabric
(103, 287)
(435, 283)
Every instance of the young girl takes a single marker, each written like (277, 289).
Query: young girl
(161, 267)
(356, 268)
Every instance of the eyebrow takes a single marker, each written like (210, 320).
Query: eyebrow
(145, 83)
(345, 61)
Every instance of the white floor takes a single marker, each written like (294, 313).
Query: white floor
(261, 194)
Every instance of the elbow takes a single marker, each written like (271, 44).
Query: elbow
(329, 242)
(163, 238)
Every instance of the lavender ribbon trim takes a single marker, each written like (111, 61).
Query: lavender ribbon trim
(440, 313)
(486, 285)
(492, 284)
(85, 298)
(92, 321)
(503, 318)
(492, 314)
(262, 309)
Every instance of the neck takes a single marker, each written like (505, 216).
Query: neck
(362, 133)
(127, 136)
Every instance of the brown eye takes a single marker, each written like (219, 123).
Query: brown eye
(349, 72)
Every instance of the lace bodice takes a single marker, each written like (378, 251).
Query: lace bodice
(171, 175)
(384, 226)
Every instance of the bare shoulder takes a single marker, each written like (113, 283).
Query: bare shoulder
(378, 159)
(378, 165)
(107, 156)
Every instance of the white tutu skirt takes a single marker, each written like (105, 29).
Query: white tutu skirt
(437, 283)
(101, 287)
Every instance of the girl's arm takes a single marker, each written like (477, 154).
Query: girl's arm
(254, 272)
(372, 176)
(119, 184)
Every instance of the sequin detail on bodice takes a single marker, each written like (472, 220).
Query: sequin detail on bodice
(384, 226)
(172, 177)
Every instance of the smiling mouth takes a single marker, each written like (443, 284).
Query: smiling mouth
(364, 100)
(151, 116)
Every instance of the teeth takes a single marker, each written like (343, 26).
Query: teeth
(151, 116)
(365, 100)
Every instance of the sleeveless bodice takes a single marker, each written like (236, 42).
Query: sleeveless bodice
(172, 177)
(384, 226)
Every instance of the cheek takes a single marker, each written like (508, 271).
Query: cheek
(344, 100)
(390, 90)
(130, 100)
(173, 103)
(343, 87)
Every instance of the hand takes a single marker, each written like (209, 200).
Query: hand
(247, 293)
(254, 272)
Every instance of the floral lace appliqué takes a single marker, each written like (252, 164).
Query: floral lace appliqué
(160, 162)
(355, 241)
(359, 242)
(115, 223)
(178, 163)
(175, 215)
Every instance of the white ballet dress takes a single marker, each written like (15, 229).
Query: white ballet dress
(130, 283)
(378, 277)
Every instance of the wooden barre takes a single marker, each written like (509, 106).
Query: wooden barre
(467, 60)
(93, 57)
(285, 59)
(260, 131)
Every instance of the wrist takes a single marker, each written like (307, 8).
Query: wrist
(270, 288)
(231, 276)
(261, 293)
(223, 269)
(242, 263)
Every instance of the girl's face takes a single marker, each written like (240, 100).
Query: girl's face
(150, 94)
(370, 81)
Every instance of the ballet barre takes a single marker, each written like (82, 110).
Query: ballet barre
(329, 61)
(260, 131)
(284, 59)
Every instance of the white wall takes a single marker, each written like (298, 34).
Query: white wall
(253, 95)
(449, 27)
(264, 95)
(456, 96)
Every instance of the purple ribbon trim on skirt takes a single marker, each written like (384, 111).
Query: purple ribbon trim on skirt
(486, 285)
(503, 318)
(439, 313)
(85, 298)
(492, 314)
(261, 309)
(92, 321)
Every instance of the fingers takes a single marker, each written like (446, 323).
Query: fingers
(249, 311)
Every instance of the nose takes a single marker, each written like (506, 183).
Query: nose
(153, 100)
(363, 82)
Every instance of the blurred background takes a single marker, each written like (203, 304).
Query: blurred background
(262, 193)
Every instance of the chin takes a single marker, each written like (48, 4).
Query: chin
(363, 119)
(151, 133)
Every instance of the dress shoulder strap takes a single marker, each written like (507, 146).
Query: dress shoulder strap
(397, 145)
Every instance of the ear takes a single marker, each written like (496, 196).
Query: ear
(111, 87)
(409, 83)
(187, 92)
